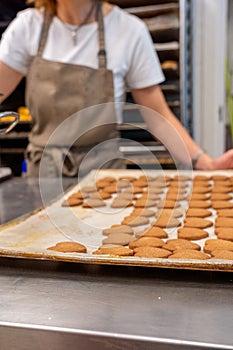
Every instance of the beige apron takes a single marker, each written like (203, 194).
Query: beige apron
(55, 91)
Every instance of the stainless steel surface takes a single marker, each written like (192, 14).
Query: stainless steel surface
(66, 306)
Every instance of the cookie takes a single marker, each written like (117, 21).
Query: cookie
(166, 222)
(225, 233)
(150, 196)
(72, 202)
(153, 232)
(220, 197)
(123, 184)
(175, 213)
(124, 195)
(199, 189)
(140, 183)
(69, 247)
(121, 203)
(178, 184)
(217, 244)
(222, 254)
(199, 196)
(189, 254)
(222, 205)
(176, 190)
(174, 244)
(134, 190)
(93, 203)
(135, 220)
(146, 241)
(146, 178)
(218, 189)
(153, 190)
(143, 212)
(225, 213)
(111, 188)
(168, 204)
(100, 195)
(197, 223)
(192, 234)
(151, 252)
(118, 238)
(88, 189)
(199, 204)
(226, 183)
(224, 222)
(110, 179)
(199, 213)
(219, 177)
(142, 203)
(100, 184)
(182, 178)
(128, 178)
(201, 178)
(118, 229)
(202, 184)
(117, 251)
(79, 195)
(176, 196)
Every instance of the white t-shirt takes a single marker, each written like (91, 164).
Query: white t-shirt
(130, 53)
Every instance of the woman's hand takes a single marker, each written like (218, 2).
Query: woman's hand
(225, 161)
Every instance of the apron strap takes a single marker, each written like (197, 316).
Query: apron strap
(102, 56)
(44, 32)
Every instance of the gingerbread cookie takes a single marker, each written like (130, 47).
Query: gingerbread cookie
(93, 203)
(224, 222)
(217, 244)
(121, 203)
(168, 204)
(225, 213)
(222, 205)
(116, 251)
(174, 244)
(189, 254)
(220, 197)
(118, 229)
(144, 203)
(69, 247)
(72, 202)
(199, 197)
(197, 223)
(135, 220)
(192, 234)
(146, 241)
(151, 252)
(222, 254)
(225, 233)
(143, 212)
(100, 195)
(199, 204)
(153, 232)
(175, 213)
(166, 222)
(199, 213)
(118, 238)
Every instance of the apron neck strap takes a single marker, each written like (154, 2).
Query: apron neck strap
(44, 32)
(102, 56)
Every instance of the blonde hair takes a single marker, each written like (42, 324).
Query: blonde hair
(50, 5)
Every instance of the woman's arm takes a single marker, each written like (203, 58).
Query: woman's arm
(171, 132)
(9, 79)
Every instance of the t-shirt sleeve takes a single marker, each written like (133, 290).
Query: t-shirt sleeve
(145, 69)
(14, 45)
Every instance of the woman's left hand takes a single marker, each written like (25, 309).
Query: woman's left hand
(225, 161)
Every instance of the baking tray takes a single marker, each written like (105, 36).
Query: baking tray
(29, 237)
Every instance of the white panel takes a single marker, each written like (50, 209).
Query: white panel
(209, 51)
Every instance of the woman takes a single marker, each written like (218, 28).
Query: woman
(79, 53)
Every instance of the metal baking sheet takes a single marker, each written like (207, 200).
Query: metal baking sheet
(31, 235)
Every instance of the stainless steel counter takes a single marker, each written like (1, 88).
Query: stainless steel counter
(64, 306)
